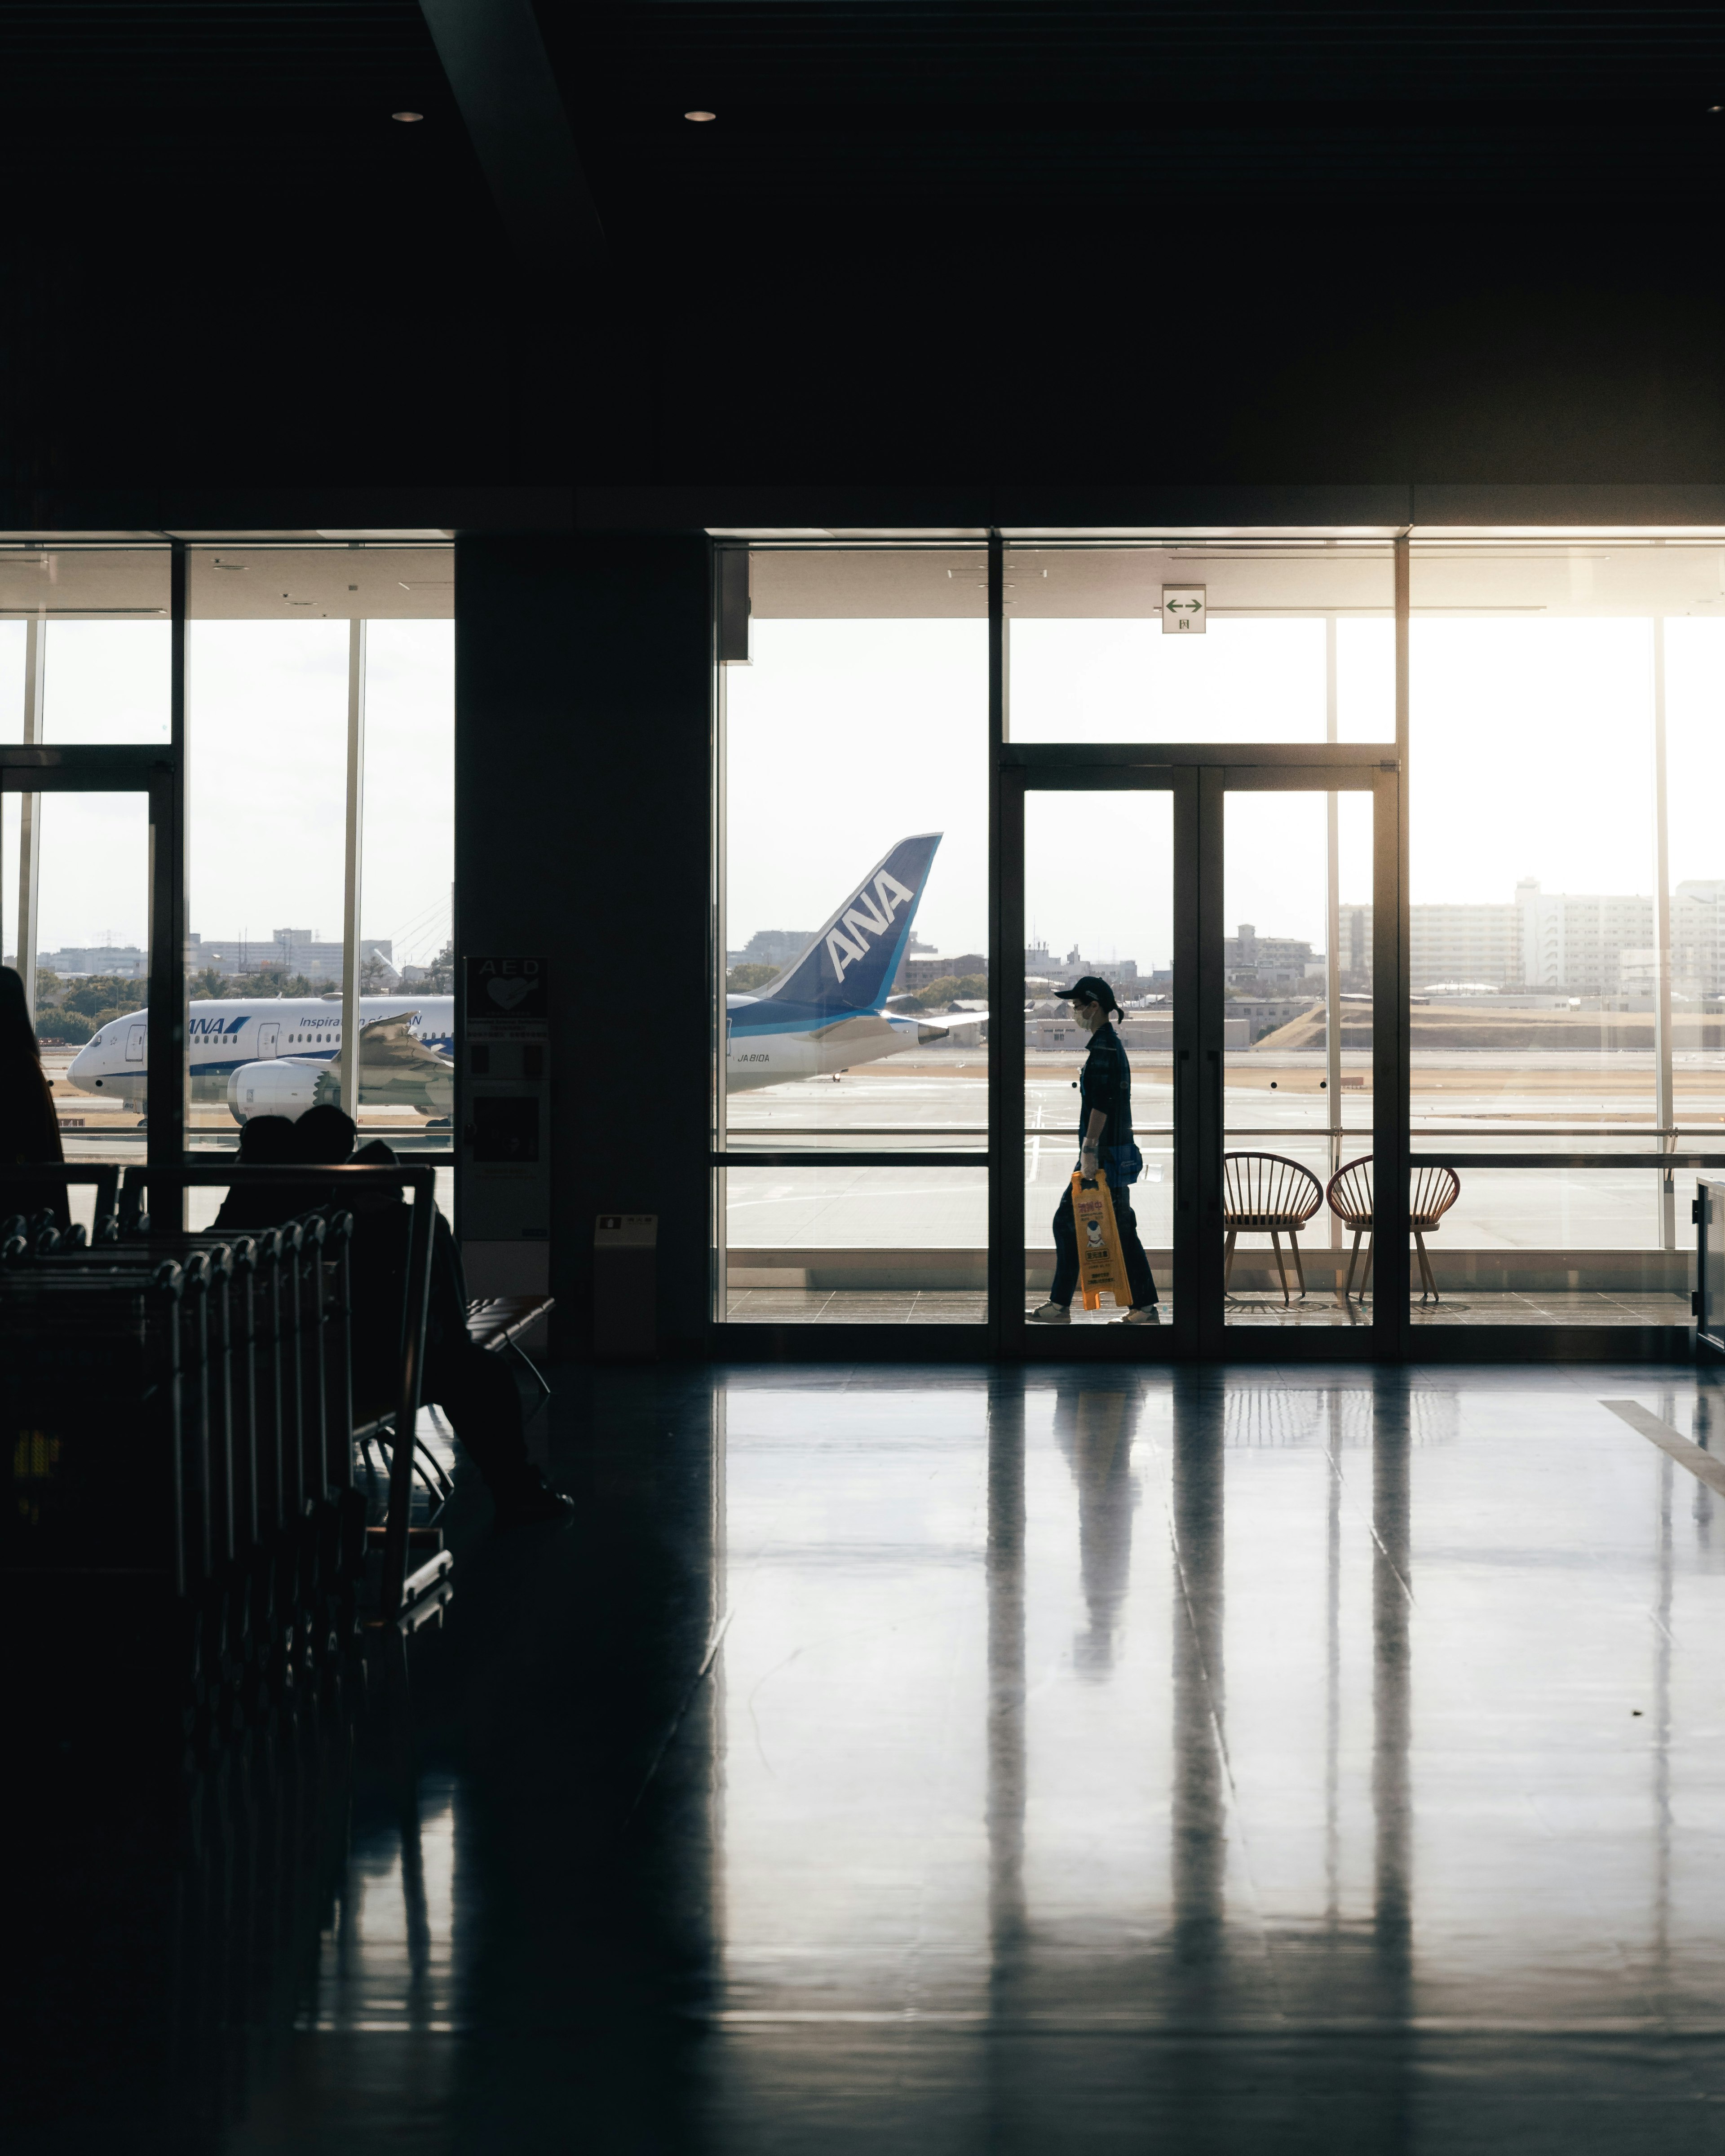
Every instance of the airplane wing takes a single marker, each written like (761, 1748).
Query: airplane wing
(928, 1030)
(387, 1044)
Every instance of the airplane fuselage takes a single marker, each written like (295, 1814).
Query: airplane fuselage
(224, 1036)
(769, 1041)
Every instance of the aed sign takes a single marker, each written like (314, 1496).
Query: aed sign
(505, 985)
(1184, 610)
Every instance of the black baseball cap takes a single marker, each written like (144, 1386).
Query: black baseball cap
(1090, 988)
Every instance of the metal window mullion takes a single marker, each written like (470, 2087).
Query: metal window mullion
(718, 917)
(1665, 1095)
(166, 1078)
(1006, 995)
(1391, 1028)
(839, 1158)
(353, 865)
(1184, 1046)
(29, 811)
(1203, 1115)
(1332, 929)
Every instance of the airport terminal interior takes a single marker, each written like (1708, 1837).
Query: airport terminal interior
(862, 1198)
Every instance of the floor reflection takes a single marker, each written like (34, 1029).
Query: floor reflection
(1094, 1425)
(963, 1762)
(385, 1958)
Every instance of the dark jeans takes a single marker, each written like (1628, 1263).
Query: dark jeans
(477, 1392)
(1065, 1235)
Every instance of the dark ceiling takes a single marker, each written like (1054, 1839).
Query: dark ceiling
(1071, 235)
(828, 105)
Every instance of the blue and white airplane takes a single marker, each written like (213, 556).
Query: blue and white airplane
(829, 1009)
(279, 1056)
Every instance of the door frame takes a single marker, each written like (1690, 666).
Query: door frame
(1199, 776)
(153, 771)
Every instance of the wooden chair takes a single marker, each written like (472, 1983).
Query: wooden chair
(1431, 1192)
(1263, 1194)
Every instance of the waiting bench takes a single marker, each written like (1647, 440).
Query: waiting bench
(498, 1323)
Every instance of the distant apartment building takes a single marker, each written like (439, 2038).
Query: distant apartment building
(1575, 941)
(928, 966)
(1354, 946)
(1481, 944)
(125, 961)
(1557, 941)
(1698, 938)
(1042, 964)
(771, 947)
(1464, 943)
(1268, 961)
(293, 950)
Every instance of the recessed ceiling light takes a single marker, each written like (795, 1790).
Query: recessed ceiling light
(405, 117)
(700, 115)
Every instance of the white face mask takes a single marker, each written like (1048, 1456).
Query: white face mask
(1090, 1016)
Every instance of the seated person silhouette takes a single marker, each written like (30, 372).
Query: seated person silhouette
(264, 1142)
(475, 1389)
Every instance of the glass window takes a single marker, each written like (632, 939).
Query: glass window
(853, 907)
(1287, 1133)
(1560, 1006)
(87, 628)
(281, 641)
(1201, 641)
(855, 1245)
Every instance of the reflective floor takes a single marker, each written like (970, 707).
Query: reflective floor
(1258, 1760)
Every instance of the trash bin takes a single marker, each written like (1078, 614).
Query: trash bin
(625, 1287)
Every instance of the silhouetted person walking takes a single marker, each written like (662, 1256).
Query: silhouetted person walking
(1105, 1141)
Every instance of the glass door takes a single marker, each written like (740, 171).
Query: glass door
(1201, 977)
(81, 855)
(1293, 1163)
(1099, 884)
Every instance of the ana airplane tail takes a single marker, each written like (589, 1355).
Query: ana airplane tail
(850, 965)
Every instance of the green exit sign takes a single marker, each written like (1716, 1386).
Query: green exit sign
(1184, 610)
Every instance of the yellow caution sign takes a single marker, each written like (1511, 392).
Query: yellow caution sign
(1101, 1268)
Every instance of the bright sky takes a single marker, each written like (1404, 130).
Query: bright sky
(1530, 755)
(267, 718)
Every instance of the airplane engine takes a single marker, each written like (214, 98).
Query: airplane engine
(280, 1088)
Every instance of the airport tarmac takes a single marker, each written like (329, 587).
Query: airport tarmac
(1277, 1107)
(901, 1105)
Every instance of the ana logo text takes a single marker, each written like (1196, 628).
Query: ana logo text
(888, 895)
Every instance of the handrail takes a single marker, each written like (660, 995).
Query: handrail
(1510, 1128)
(53, 1175)
(1629, 1160)
(421, 1180)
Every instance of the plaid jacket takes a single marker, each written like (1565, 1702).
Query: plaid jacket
(1106, 1082)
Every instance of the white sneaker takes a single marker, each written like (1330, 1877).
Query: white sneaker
(1145, 1314)
(1050, 1313)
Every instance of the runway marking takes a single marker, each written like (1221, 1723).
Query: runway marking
(1701, 1463)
